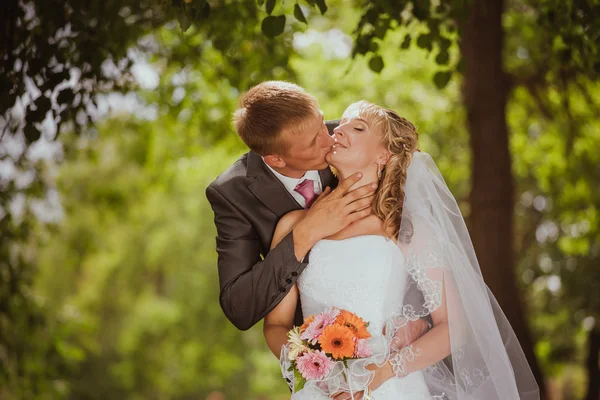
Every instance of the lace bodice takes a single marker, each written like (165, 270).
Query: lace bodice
(354, 274)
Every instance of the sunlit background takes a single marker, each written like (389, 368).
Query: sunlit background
(109, 275)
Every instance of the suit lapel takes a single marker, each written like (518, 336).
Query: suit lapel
(268, 189)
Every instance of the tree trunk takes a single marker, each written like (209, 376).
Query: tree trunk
(593, 388)
(492, 190)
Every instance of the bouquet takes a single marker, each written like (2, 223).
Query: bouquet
(325, 339)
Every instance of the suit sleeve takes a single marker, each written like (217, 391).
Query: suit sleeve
(249, 286)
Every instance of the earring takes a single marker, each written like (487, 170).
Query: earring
(378, 171)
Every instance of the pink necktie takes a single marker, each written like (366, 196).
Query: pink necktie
(307, 189)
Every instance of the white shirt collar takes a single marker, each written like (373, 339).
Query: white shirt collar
(291, 183)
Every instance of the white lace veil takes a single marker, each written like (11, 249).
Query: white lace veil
(485, 359)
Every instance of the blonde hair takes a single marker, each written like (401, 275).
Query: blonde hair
(269, 108)
(402, 140)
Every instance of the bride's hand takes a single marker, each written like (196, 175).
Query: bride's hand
(408, 333)
(382, 374)
(346, 396)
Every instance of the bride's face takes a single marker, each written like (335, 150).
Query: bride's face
(358, 144)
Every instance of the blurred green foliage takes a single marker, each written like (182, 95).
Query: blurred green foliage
(132, 267)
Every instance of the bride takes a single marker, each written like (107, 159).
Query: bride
(414, 241)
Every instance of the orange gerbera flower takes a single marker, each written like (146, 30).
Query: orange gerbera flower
(354, 322)
(307, 322)
(337, 340)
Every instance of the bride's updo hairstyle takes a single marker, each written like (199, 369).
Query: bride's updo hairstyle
(402, 140)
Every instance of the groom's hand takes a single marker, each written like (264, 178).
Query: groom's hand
(333, 211)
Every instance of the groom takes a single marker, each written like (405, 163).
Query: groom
(284, 170)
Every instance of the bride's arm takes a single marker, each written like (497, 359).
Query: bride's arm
(429, 349)
(281, 319)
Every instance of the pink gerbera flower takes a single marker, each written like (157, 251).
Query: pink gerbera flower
(320, 322)
(314, 365)
(362, 349)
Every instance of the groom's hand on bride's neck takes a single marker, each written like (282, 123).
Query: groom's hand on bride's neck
(333, 211)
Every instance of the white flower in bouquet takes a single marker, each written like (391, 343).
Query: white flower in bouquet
(297, 346)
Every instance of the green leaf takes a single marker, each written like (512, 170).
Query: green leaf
(424, 41)
(421, 9)
(273, 26)
(443, 57)
(202, 13)
(43, 104)
(406, 42)
(54, 79)
(298, 14)
(65, 96)
(441, 9)
(198, 5)
(445, 42)
(299, 381)
(565, 55)
(372, 15)
(442, 78)
(184, 21)
(322, 6)
(31, 133)
(33, 116)
(270, 6)
(376, 64)
(380, 30)
(35, 65)
(361, 45)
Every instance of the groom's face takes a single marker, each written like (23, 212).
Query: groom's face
(308, 144)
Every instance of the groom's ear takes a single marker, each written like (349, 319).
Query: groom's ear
(274, 161)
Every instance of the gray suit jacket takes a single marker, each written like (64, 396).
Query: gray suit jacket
(248, 201)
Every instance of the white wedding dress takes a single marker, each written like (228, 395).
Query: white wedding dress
(362, 275)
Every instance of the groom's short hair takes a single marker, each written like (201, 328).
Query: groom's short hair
(268, 109)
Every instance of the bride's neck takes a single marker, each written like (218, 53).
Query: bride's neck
(369, 176)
